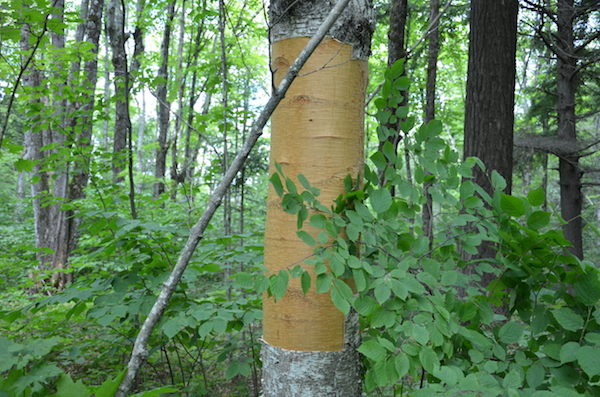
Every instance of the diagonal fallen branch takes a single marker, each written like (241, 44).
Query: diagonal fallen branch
(140, 351)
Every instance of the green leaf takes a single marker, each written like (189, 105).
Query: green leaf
(498, 181)
(65, 387)
(429, 358)
(589, 360)
(538, 220)
(359, 279)
(512, 205)
(536, 197)
(232, 369)
(510, 333)
(318, 220)
(512, 380)
(535, 375)
(568, 319)
(24, 165)
(277, 185)
(381, 200)
(307, 238)
(593, 338)
(379, 160)
(402, 364)
(291, 187)
(305, 282)
(304, 182)
(323, 283)
(244, 280)
(344, 289)
(171, 327)
(373, 350)
(568, 352)
(109, 387)
(382, 293)
(587, 288)
(446, 374)
(339, 301)
(279, 284)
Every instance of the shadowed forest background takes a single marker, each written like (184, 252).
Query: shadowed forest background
(119, 119)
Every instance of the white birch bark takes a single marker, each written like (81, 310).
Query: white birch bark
(291, 373)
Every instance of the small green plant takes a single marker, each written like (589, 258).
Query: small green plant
(430, 326)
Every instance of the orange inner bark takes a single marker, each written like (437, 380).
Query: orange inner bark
(317, 130)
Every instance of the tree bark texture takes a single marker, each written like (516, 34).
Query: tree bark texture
(396, 51)
(432, 58)
(570, 172)
(80, 125)
(489, 108)
(116, 32)
(35, 139)
(317, 130)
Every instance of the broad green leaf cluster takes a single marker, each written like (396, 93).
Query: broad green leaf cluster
(431, 323)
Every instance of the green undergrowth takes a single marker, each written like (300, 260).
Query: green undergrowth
(431, 324)
(77, 342)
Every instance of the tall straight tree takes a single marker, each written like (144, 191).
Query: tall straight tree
(489, 107)
(309, 346)
(164, 106)
(570, 173)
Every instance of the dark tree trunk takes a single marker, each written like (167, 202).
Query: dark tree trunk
(164, 107)
(116, 32)
(568, 166)
(489, 108)
(396, 51)
(434, 48)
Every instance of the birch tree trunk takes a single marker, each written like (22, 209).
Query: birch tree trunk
(309, 347)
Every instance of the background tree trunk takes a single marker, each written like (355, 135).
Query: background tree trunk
(489, 107)
(116, 32)
(164, 106)
(570, 173)
(433, 51)
(309, 345)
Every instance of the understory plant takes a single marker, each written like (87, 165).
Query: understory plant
(430, 325)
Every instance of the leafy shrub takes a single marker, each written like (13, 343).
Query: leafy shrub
(430, 324)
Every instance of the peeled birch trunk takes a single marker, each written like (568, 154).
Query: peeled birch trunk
(309, 347)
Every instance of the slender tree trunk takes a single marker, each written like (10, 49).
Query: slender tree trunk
(140, 134)
(309, 346)
(34, 141)
(82, 123)
(181, 80)
(434, 48)
(164, 106)
(396, 51)
(570, 172)
(116, 33)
